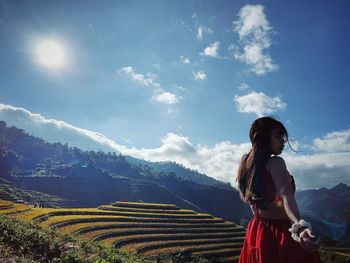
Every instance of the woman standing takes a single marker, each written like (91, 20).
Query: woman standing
(276, 233)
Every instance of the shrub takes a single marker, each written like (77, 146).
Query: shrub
(45, 245)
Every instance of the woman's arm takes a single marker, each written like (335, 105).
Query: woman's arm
(282, 181)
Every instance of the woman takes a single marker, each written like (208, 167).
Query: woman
(276, 233)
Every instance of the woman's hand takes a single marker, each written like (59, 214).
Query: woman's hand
(308, 240)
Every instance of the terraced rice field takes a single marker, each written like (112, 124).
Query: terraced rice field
(146, 228)
(17, 195)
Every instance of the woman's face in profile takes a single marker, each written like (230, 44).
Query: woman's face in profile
(277, 141)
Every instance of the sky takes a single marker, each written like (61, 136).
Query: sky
(182, 80)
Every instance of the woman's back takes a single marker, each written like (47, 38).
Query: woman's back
(274, 208)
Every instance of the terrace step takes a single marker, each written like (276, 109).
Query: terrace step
(6, 207)
(81, 219)
(146, 205)
(154, 232)
(15, 209)
(124, 225)
(8, 198)
(154, 247)
(173, 229)
(193, 247)
(126, 214)
(121, 241)
(146, 210)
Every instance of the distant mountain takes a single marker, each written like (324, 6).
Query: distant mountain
(331, 207)
(180, 170)
(88, 178)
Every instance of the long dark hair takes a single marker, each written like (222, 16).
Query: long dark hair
(249, 176)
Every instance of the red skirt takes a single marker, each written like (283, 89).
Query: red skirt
(269, 241)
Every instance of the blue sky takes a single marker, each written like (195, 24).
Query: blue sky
(182, 80)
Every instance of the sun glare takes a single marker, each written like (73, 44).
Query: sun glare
(50, 54)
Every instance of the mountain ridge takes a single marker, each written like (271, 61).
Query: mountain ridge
(88, 178)
(331, 206)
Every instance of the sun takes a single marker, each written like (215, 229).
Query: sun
(50, 54)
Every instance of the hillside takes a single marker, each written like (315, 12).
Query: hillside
(23, 153)
(149, 229)
(89, 179)
(331, 209)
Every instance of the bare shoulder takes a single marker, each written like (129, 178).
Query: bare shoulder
(279, 174)
(276, 162)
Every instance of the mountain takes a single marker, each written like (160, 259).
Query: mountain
(331, 207)
(180, 170)
(88, 178)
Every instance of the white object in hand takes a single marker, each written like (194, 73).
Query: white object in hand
(296, 226)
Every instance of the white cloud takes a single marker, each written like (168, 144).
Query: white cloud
(222, 160)
(199, 75)
(185, 60)
(318, 169)
(200, 33)
(160, 95)
(243, 86)
(254, 33)
(56, 130)
(166, 98)
(258, 103)
(337, 141)
(211, 50)
(252, 22)
(201, 30)
(139, 78)
(219, 162)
